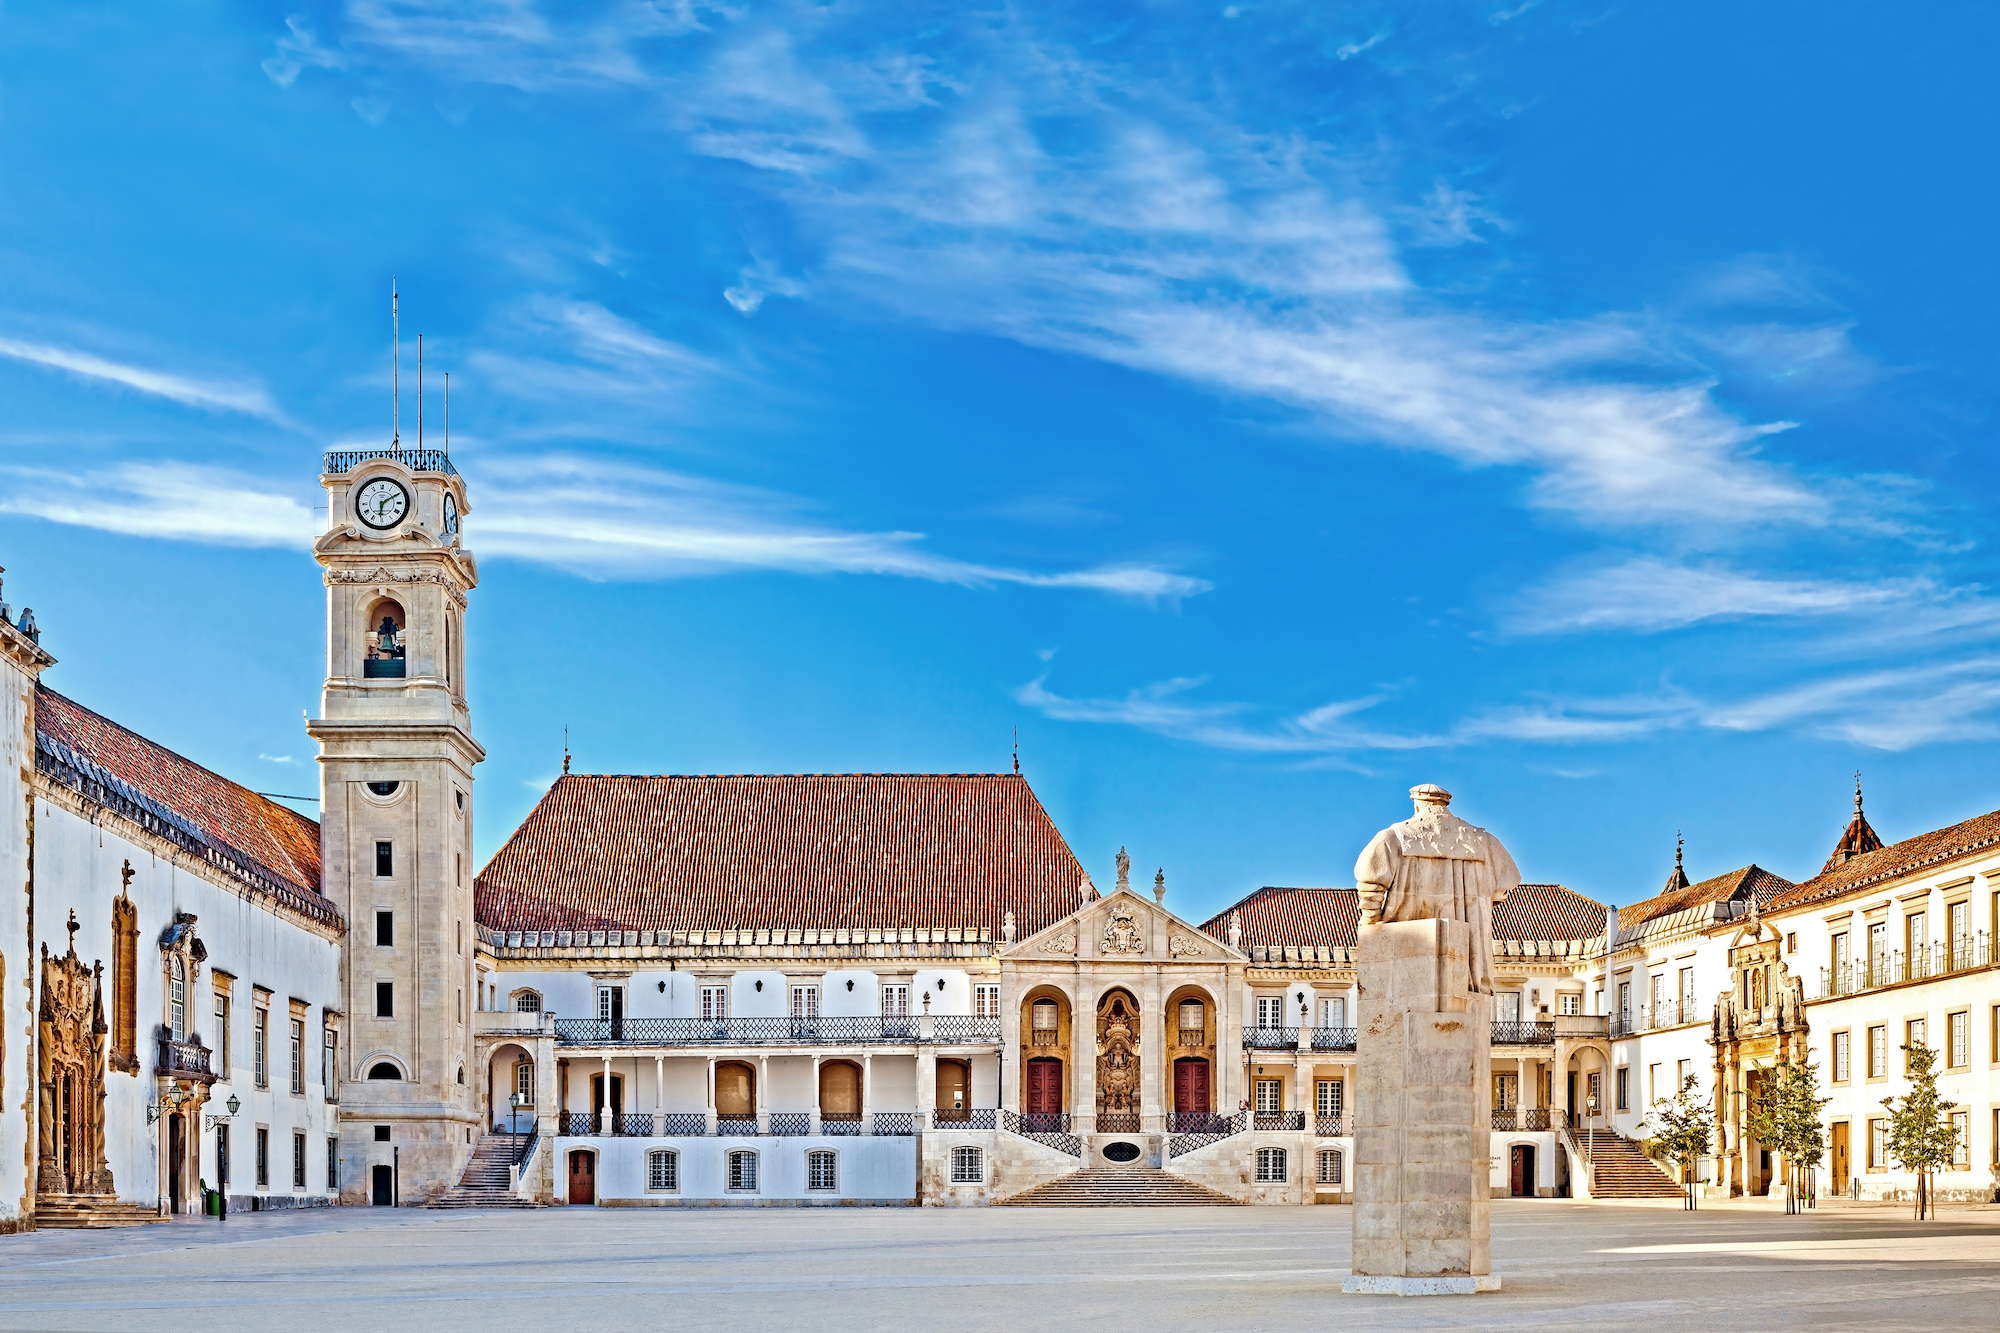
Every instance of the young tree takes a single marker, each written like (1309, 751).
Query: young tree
(1787, 1119)
(1680, 1127)
(1921, 1136)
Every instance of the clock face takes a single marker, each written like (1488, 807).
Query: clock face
(450, 514)
(382, 503)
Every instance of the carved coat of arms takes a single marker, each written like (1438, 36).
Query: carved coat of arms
(1121, 933)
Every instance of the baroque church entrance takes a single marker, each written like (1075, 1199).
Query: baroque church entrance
(72, 1031)
(1118, 1063)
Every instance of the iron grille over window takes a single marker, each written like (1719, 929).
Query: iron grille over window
(663, 1170)
(527, 1002)
(1270, 1166)
(822, 1170)
(1330, 1166)
(967, 1166)
(743, 1171)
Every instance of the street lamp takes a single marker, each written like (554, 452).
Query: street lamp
(210, 1122)
(516, 1102)
(170, 1101)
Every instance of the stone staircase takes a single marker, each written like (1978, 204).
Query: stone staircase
(1621, 1169)
(484, 1184)
(90, 1212)
(1116, 1187)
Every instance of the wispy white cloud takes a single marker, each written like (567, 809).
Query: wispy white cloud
(175, 501)
(297, 50)
(611, 520)
(1353, 49)
(1163, 708)
(219, 395)
(1650, 594)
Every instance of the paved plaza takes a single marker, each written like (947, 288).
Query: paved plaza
(1596, 1266)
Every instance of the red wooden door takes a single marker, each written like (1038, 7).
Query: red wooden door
(1521, 1186)
(583, 1177)
(1191, 1087)
(1044, 1087)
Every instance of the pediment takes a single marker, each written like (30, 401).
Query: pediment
(1122, 926)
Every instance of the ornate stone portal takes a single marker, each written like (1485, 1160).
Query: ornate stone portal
(1423, 1119)
(1118, 1063)
(70, 1154)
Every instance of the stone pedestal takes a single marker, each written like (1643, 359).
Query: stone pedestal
(1422, 1115)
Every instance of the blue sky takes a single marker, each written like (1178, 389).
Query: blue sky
(1262, 407)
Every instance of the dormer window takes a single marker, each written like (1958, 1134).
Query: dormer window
(385, 638)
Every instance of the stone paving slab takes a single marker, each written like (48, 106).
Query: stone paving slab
(1599, 1266)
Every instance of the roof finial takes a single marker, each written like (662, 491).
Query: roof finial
(565, 750)
(1017, 752)
(1679, 842)
(1857, 791)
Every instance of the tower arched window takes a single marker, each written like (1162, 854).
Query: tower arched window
(385, 637)
(177, 999)
(385, 1072)
(527, 1002)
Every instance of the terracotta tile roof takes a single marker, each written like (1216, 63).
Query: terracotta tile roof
(1326, 918)
(1736, 886)
(1548, 912)
(234, 826)
(804, 851)
(1900, 858)
(1295, 918)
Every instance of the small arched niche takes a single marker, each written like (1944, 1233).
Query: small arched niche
(384, 639)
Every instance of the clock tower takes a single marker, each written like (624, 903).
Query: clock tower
(396, 755)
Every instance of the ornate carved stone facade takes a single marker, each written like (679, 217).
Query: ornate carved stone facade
(70, 1157)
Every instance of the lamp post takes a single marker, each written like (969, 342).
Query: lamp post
(217, 1123)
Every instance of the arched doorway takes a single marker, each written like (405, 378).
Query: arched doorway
(954, 1090)
(1521, 1171)
(583, 1176)
(1118, 1062)
(735, 1093)
(1190, 1052)
(839, 1092)
(1045, 1091)
(1045, 1036)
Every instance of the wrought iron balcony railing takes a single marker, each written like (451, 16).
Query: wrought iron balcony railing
(895, 1123)
(736, 1126)
(947, 1117)
(683, 1124)
(1965, 954)
(341, 461)
(954, 1028)
(1524, 1034)
(1293, 1120)
(1333, 1039)
(1209, 1129)
(1049, 1130)
(1118, 1122)
(791, 1124)
(1270, 1039)
(1330, 1126)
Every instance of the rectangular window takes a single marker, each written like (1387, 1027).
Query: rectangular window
(1328, 1096)
(1593, 1096)
(1958, 1028)
(222, 1037)
(1270, 1011)
(1652, 1084)
(1270, 1096)
(1958, 921)
(610, 1004)
(1918, 940)
(968, 1166)
(895, 1002)
(385, 859)
(259, 1046)
(177, 1001)
(298, 1159)
(329, 1059)
(1687, 995)
(1271, 1166)
(1993, 1037)
(1913, 1035)
(1840, 978)
(1661, 1017)
(1624, 1087)
(385, 930)
(263, 1158)
(985, 1001)
(743, 1171)
(714, 1004)
(1625, 1002)
(1330, 1166)
(663, 1170)
(222, 1158)
(1878, 1145)
(822, 1169)
(1842, 1068)
(1569, 1004)
(1961, 1147)
(805, 1002)
(1333, 1013)
(1878, 1052)
(1791, 941)
(385, 999)
(1505, 1091)
(1681, 1072)
(333, 1166)
(299, 1069)
(1506, 1007)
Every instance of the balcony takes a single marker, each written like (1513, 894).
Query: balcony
(963, 1117)
(1524, 1034)
(1333, 1039)
(1270, 1039)
(1283, 1120)
(342, 461)
(1968, 953)
(951, 1028)
(1200, 1122)
(1537, 1118)
(1331, 1126)
(186, 1061)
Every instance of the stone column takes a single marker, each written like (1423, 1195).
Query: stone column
(709, 1107)
(1423, 1115)
(813, 1125)
(1229, 1091)
(604, 1112)
(1010, 1039)
(926, 1084)
(867, 1093)
(659, 1095)
(1083, 1057)
(1152, 1053)
(763, 1094)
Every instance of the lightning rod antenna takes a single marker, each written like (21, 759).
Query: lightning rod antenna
(395, 366)
(420, 391)
(447, 412)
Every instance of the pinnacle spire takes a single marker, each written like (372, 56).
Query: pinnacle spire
(1859, 837)
(1678, 880)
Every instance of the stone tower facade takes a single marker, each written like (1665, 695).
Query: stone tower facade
(396, 760)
